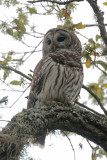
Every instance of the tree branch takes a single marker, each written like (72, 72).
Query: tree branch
(89, 109)
(70, 143)
(33, 123)
(55, 1)
(100, 19)
(16, 71)
(101, 70)
(93, 25)
(96, 97)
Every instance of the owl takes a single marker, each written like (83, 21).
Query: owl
(59, 74)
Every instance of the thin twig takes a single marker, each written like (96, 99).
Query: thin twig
(33, 50)
(21, 52)
(7, 84)
(55, 1)
(70, 144)
(93, 25)
(19, 97)
(82, 35)
(96, 97)
(9, 90)
(90, 144)
(84, 106)
(101, 70)
(4, 120)
(16, 71)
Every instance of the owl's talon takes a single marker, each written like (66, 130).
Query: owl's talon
(54, 102)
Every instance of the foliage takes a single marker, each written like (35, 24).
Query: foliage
(97, 152)
(100, 89)
(105, 3)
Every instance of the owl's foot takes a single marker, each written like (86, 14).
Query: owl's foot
(69, 105)
(54, 102)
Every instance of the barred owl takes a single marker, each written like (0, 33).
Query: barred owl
(59, 75)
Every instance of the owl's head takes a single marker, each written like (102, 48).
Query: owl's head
(60, 38)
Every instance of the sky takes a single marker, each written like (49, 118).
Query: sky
(56, 147)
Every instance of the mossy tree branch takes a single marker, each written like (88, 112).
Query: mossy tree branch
(36, 122)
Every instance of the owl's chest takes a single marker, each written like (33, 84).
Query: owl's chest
(59, 79)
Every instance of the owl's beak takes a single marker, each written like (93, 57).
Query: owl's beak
(54, 47)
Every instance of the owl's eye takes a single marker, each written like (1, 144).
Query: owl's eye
(60, 39)
(49, 41)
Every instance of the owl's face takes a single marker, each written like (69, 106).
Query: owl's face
(58, 38)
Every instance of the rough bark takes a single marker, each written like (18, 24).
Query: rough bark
(35, 122)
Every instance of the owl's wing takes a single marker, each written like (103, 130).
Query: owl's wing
(67, 57)
(38, 80)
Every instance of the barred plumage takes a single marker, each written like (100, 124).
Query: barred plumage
(59, 75)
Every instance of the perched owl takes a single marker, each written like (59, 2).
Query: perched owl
(59, 75)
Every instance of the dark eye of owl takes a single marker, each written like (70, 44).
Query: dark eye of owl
(60, 39)
(49, 41)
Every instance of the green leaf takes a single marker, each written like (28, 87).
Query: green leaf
(18, 35)
(94, 157)
(9, 3)
(98, 37)
(49, 11)
(6, 74)
(3, 27)
(94, 54)
(21, 26)
(99, 91)
(91, 41)
(97, 45)
(105, 3)
(8, 58)
(59, 26)
(103, 64)
(23, 18)
(15, 82)
(11, 52)
(80, 26)
(88, 63)
(104, 85)
(30, 75)
(32, 10)
(10, 31)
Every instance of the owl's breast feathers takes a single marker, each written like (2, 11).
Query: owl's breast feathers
(50, 67)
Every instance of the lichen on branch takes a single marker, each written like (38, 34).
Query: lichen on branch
(32, 123)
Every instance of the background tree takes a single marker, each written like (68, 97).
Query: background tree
(20, 27)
